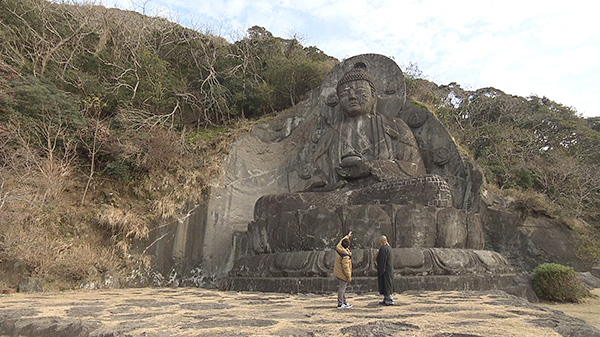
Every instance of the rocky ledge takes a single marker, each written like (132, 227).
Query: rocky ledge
(201, 312)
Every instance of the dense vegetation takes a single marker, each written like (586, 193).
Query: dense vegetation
(111, 121)
(555, 282)
(536, 150)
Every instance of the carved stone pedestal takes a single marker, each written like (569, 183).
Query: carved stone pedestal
(367, 284)
(416, 269)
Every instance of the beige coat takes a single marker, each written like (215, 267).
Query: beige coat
(342, 269)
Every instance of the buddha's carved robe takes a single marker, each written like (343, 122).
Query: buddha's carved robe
(385, 144)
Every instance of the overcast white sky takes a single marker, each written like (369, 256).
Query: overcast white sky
(547, 48)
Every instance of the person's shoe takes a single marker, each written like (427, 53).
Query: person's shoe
(388, 303)
(344, 306)
(348, 306)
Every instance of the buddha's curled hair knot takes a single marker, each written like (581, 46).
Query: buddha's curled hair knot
(356, 74)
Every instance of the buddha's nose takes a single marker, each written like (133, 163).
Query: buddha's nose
(351, 94)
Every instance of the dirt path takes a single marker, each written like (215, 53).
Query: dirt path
(201, 312)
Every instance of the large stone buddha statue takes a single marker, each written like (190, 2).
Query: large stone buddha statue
(376, 170)
(363, 144)
(361, 158)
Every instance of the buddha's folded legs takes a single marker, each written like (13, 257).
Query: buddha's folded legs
(428, 190)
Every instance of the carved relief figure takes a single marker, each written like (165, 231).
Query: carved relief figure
(362, 147)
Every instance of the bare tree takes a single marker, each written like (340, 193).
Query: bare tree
(246, 52)
(58, 153)
(40, 155)
(99, 131)
(47, 33)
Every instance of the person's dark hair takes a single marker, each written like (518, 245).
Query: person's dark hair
(346, 243)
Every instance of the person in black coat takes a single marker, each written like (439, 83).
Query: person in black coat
(385, 271)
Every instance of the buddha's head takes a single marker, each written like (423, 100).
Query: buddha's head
(357, 93)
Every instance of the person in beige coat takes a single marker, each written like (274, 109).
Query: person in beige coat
(342, 269)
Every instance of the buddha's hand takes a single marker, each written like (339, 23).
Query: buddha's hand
(353, 167)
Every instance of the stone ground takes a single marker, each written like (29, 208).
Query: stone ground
(202, 312)
(589, 310)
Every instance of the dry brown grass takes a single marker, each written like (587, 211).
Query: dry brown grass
(43, 224)
(165, 150)
(530, 200)
(190, 169)
(125, 223)
(40, 224)
(54, 245)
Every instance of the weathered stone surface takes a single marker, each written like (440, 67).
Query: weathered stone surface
(522, 286)
(367, 284)
(415, 226)
(110, 280)
(368, 222)
(30, 285)
(427, 190)
(293, 265)
(527, 240)
(475, 238)
(283, 232)
(320, 228)
(12, 272)
(364, 167)
(411, 259)
(177, 246)
(457, 261)
(589, 280)
(258, 242)
(566, 325)
(490, 259)
(386, 328)
(407, 261)
(89, 285)
(316, 221)
(452, 228)
(193, 311)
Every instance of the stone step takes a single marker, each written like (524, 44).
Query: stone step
(368, 284)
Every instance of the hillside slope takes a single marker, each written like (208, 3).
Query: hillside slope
(111, 121)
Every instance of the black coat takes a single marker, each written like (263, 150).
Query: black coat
(385, 270)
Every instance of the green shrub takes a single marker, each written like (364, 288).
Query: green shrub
(119, 169)
(555, 282)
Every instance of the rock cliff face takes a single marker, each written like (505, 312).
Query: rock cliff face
(272, 159)
(527, 239)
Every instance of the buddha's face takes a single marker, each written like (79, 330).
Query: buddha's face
(356, 98)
